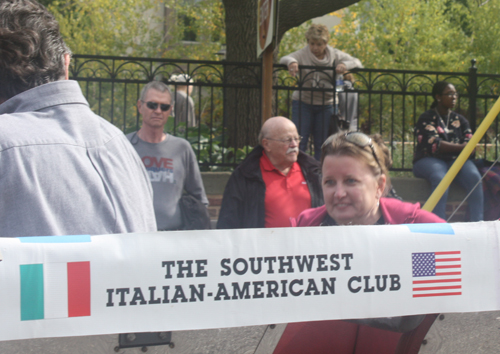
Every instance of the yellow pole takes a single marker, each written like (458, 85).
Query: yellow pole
(464, 155)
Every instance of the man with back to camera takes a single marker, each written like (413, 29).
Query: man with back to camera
(275, 182)
(170, 161)
(64, 170)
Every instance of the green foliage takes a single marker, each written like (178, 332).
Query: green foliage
(420, 35)
(208, 144)
(148, 28)
(439, 35)
(202, 23)
(110, 27)
(484, 45)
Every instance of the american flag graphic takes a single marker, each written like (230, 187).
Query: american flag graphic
(437, 274)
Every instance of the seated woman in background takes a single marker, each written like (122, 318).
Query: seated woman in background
(354, 177)
(441, 136)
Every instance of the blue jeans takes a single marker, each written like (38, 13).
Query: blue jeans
(312, 118)
(434, 169)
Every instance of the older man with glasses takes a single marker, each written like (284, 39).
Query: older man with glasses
(275, 182)
(170, 161)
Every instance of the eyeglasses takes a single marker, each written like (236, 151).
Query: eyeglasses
(287, 141)
(362, 140)
(451, 94)
(154, 105)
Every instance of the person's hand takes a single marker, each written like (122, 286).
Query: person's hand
(341, 68)
(293, 68)
(454, 148)
(463, 147)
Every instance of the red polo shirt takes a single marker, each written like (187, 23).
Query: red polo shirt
(286, 196)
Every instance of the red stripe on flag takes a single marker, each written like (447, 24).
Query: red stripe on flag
(448, 273)
(448, 266)
(440, 294)
(449, 252)
(436, 281)
(78, 289)
(447, 259)
(438, 288)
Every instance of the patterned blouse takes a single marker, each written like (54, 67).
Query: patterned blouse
(431, 129)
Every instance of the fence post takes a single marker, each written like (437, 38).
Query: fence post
(267, 84)
(472, 114)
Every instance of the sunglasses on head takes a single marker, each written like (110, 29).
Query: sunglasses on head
(154, 105)
(362, 140)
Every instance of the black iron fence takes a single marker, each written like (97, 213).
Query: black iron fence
(227, 101)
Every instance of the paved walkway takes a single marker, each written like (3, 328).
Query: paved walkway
(466, 333)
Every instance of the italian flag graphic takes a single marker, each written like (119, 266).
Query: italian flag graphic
(55, 290)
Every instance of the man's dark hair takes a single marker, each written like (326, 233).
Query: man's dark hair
(31, 47)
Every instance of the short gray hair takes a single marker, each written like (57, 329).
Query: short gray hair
(318, 32)
(158, 86)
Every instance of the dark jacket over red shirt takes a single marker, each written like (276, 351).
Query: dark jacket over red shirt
(243, 204)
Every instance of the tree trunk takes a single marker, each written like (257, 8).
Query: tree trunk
(242, 107)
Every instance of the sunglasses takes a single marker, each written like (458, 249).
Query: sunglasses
(154, 105)
(362, 140)
(359, 139)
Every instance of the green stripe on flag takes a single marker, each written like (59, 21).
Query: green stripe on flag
(31, 292)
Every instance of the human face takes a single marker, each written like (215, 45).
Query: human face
(317, 47)
(282, 154)
(351, 191)
(157, 118)
(449, 97)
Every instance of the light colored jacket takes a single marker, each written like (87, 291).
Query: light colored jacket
(65, 170)
(320, 79)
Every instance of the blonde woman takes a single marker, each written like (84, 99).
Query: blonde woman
(312, 110)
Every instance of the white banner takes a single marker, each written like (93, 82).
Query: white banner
(83, 285)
